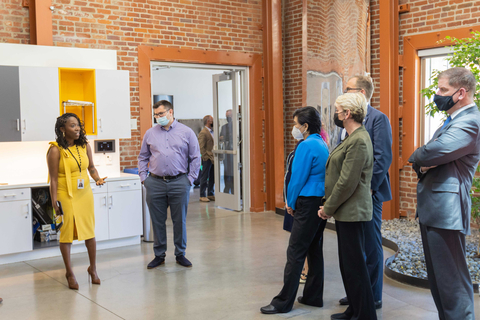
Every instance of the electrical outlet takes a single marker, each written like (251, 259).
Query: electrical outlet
(108, 159)
(133, 124)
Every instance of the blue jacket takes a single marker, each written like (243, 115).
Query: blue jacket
(308, 170)
(380, 131)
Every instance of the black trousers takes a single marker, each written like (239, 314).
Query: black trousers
(353, 267)
(448, 274)
(306, 240)
(207, 178)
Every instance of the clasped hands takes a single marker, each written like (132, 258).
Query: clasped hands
(322, 214)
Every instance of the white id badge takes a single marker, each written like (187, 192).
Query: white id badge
(80, 184)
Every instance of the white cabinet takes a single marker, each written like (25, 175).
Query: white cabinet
(113, 104)
(125, 208)
(101, 211)
(118, 209)
(39, 103)
(16, 216)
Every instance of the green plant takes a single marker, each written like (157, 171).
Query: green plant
(466, 53)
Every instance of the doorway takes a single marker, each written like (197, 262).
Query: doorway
(199, 90)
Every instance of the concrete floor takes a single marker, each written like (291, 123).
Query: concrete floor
(238, 261)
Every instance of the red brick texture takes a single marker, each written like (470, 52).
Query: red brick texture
(233, 25)
(292, 66)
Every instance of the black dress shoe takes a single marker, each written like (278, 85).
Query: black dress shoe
(378, 304)
(343, 315)
(181, 260)
(269, 309)
(156, 262)
(299, 299)
(344, 301)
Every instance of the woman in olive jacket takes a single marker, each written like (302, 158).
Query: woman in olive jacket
(348, 199)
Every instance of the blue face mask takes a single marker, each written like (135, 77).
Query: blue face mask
(163, 121)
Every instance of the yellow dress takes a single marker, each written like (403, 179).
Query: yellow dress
(77, 204)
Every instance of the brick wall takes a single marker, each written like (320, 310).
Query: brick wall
(424, 16)
(292, 66)
(233, 25)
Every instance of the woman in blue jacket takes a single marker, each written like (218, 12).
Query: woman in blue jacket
(305, 191)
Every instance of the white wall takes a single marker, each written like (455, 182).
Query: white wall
(191, 89)
(26, 162)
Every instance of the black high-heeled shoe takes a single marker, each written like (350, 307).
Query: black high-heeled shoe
(95, 278)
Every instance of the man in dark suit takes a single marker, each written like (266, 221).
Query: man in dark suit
(205, 140)
(380, 131)
(446, 166)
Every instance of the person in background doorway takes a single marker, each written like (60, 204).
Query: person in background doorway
(205, 140)
(170, 152)
(378, 127)
(446, 166)
(348, 199)
(226, 136)
(304, 196)
(68, 159)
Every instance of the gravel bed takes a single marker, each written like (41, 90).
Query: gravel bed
(410, 259)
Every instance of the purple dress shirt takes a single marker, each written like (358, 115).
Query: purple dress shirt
(169, 152)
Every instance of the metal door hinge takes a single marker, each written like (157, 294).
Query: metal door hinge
(404, 8)
(400, 61)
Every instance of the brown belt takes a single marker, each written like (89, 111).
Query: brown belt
(165, 178)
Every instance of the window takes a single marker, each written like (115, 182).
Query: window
(431, 60)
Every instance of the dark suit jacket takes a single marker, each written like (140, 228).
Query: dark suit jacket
(205, 140)
(443, 193)
(380, 131)
(347, 179)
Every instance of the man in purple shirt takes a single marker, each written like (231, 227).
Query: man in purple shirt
(171, 153)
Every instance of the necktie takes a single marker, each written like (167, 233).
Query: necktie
(446, 122)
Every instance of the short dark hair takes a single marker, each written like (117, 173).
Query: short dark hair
(310, 116)
(205, 119)
(460, 77)
(165, 103)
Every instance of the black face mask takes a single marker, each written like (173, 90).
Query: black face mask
(338, 122)
(444, 103)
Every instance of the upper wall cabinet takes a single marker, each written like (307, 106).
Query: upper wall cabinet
(38, 103)
(28, 105)
(31, 97)
(9, 104)
(113, 104)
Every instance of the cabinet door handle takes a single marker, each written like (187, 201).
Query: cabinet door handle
(93, 117)
(9, 195)
(125, 185)
(111, 201)
(105, 200)
(25, 124)
(28, 210)
(18, 124)
(100, 129)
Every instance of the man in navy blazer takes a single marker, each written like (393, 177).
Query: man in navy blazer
(446, 166)
(380, 131)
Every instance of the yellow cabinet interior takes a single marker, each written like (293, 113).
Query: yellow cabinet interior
(77, 95)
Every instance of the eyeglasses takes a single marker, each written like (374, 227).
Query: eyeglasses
(161, 114)
(347, 89)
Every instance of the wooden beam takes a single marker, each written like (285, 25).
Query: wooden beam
(389, 73)
(273, 85)
(40, 16)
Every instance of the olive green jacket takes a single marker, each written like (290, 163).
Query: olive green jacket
(347, 179)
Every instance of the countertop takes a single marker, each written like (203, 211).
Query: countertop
(28, 183)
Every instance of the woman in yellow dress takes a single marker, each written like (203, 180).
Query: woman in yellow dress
(68, 160)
